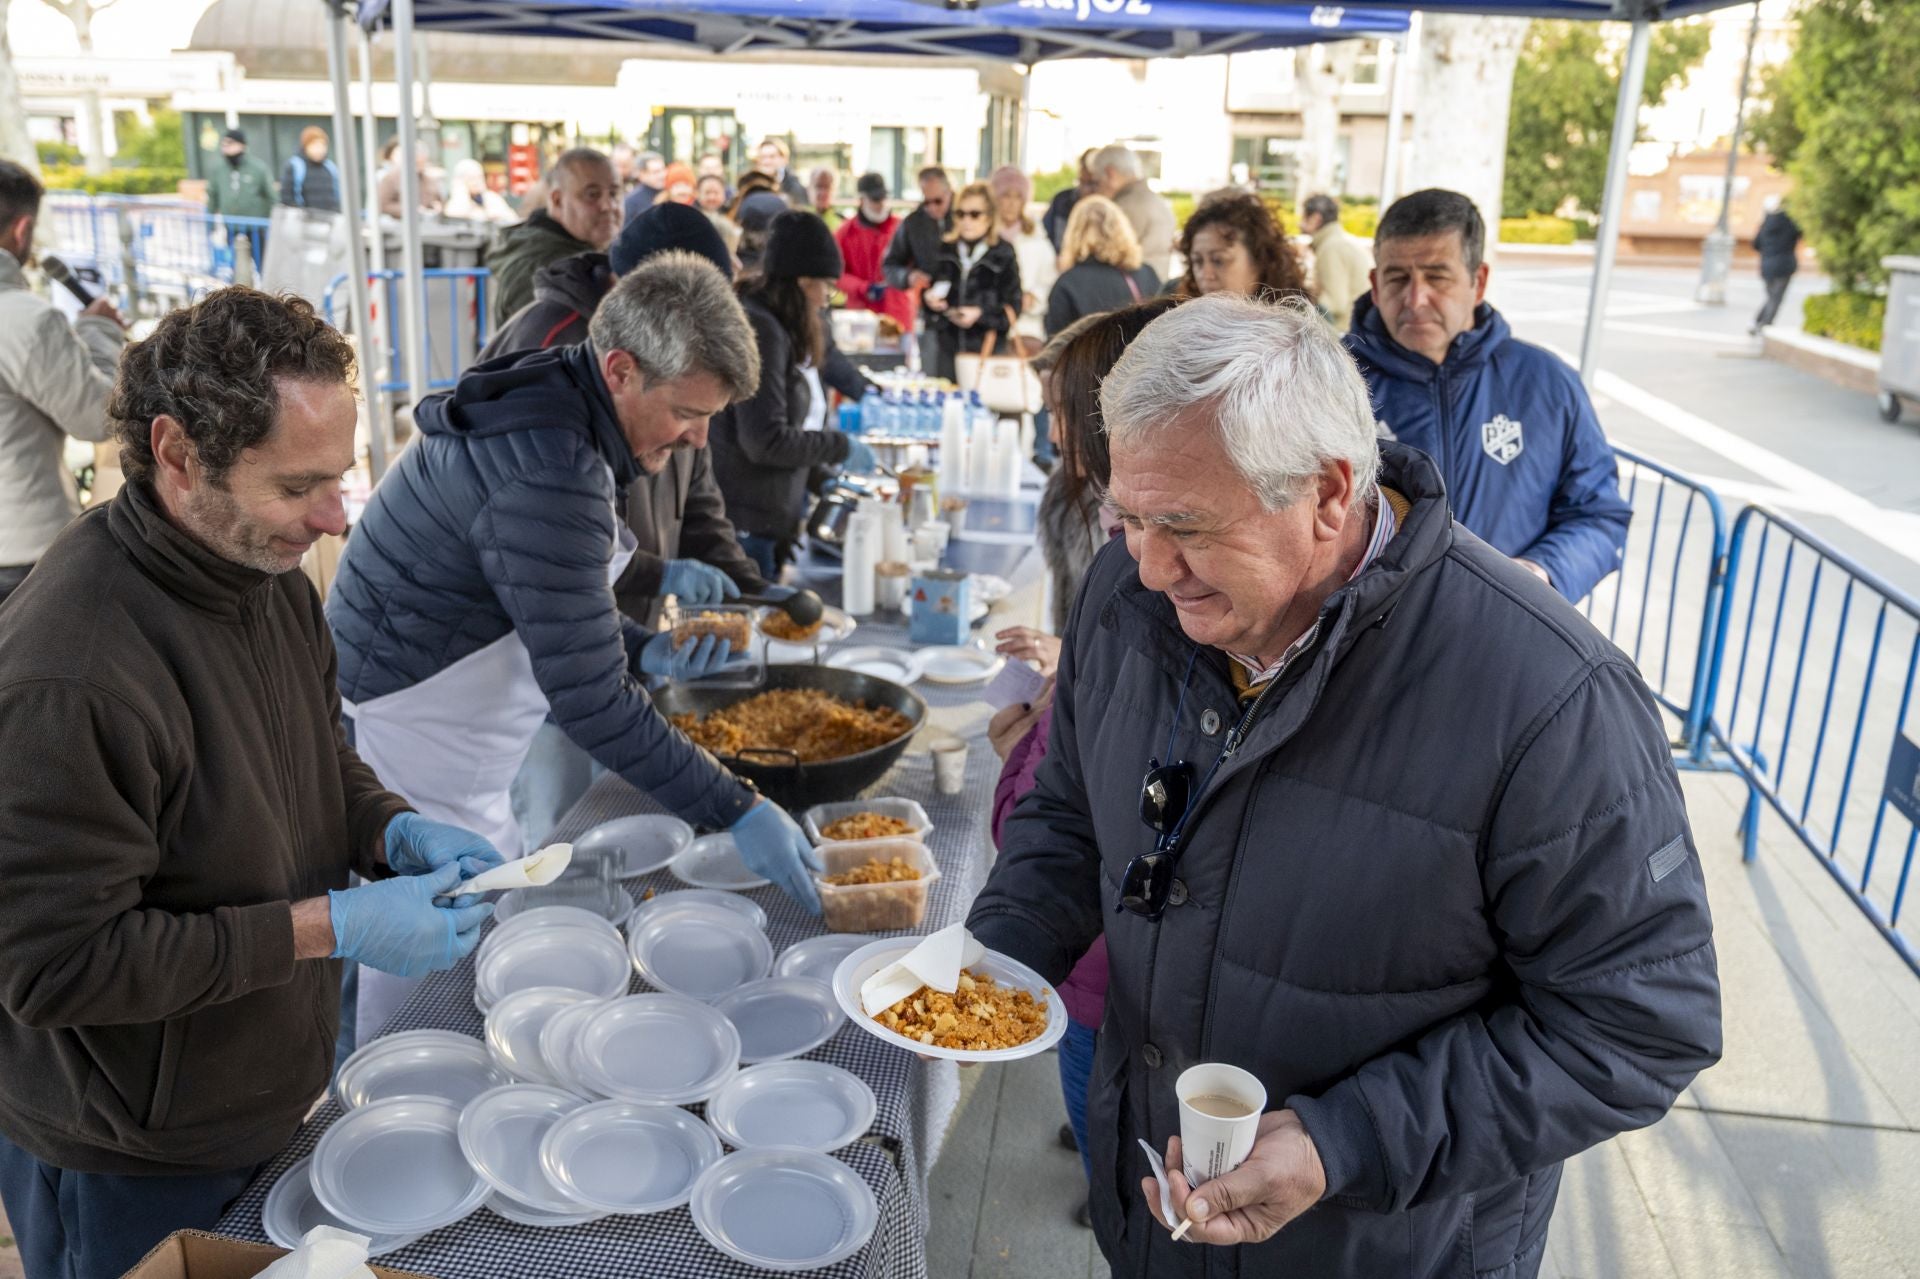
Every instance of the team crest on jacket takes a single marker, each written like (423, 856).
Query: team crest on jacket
(1501, 438)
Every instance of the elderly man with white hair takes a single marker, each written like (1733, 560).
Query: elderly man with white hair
(1116, 171)
(1363, 808)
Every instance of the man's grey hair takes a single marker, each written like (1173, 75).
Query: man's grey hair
(1284, 396)
(573, 163)
(675, 314)
(1116, 156)
(1324, 207)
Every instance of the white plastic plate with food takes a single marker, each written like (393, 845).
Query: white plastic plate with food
(869, 960)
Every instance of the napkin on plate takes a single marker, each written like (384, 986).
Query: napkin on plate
(935, 962)
(530, 871)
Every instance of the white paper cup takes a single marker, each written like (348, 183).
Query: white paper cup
(940, 531)
(1211, 1145)
(950, 766)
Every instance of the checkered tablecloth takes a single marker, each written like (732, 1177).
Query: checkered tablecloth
(915, 1098)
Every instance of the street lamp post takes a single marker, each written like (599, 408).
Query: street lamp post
(1716, 251)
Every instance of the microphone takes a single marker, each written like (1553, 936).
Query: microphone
(61, 273)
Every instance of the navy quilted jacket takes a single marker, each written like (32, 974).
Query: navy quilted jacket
(502, 517)
(1526, 464)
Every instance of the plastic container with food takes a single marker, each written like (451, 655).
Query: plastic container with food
(876, 907)
(734, 624)
(827, 823)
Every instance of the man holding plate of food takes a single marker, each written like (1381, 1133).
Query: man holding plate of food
(1364, 810)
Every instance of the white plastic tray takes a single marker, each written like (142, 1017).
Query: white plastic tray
(805, 1105)
(713, 861)
(395, 1167)
(637, 844)
(620, 1157)
(869, 959)
(656, 1048)
(784, 1210)
(781, 1017)
(433, 1063)
(698, 950)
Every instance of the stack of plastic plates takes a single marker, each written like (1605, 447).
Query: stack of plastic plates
(698, 950)
(805, 1105)
(817, 957)
(781, 1017)
(500, 1134)
(604, 898)
(430, 1063)
(549, 917)
(585, 959)
(395, 1167)
(744, 906)
(514, 1026)
(655, 1048)
(291, 1210)
(713, 861)
(784, 1209)
(636, 845)
(557, 1040)
(619, 1157)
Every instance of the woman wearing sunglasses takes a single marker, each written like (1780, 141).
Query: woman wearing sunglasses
(976, 287)
(1073, 527)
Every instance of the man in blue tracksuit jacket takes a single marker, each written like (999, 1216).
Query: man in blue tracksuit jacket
(1526, 465)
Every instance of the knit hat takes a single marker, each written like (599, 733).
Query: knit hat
(872, 187)
(235, 134)
(758, 210)
(668, 226)
(800, 247)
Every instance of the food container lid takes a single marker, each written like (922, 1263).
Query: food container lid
(784, 1209)
(395, 1167)
(623, 1157)
(638, 844)
(698, 950)
(584, 959)
(500, 1133)
(781, 1017)
(805, 1105)
(713, 861)
(292, 1209)
(656, 1048)
(432, 1063)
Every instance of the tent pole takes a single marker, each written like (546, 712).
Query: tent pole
(338, 19)
(1404, 49)
(377, 360)
(413, 299)
(1626, 126)
(1026, 113)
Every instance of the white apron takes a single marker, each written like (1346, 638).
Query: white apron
(451, 746)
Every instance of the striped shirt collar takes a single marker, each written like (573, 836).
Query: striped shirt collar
(1385, 524)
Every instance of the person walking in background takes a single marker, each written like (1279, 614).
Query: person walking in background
(1060, 208)
(1341, 263)
(710, 197)
(863, 240)
(772, 157)
(244, 190)
(649, 184)
(310, 180)
(1232, 244)
(1103, 267)
(1073, 526)
(915, 254)
(1778, 244)
(471, 198)
(821, 184)
(976, 287)
(55, 381)
(765, 445)
(1039, 259)
(582, 213)
(1117, 174)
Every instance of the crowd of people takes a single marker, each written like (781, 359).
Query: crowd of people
(1329, 779)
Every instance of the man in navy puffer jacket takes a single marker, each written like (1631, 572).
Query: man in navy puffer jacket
(475, 594)
(1526, 465)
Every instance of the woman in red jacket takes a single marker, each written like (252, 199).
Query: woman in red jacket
(863, 240)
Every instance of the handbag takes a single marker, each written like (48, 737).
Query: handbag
(1006, 382)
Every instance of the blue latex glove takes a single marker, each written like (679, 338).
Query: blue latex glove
(697, 583)
(773, 592)
(691, 660)
(394, 926)
(860, 459)
(774, 847)
(416, 845)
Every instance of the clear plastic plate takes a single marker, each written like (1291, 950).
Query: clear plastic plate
(781, 1017)
(395, 1167)
(606, 899)
(547, 917)
(656, 1048)
(431, 1063)
(805, 1105)
(506, 1208)
(621, 1157)
(871, 958)
(959, 664)
(698, 950)
(784, 1209)
(817, 957)
(746, 906)
(637, 844)
(514, 1025)
(500, 1134)
(713, 861)
(584, 959)
(878, 661)
(292, 1209)
(557, 1041)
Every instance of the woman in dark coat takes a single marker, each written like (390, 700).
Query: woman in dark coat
(981, 280)
(1101, 257)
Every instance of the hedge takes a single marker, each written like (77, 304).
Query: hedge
(1536, 230)
(1853, 318)
(114, 181)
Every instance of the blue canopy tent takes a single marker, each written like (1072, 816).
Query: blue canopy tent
(1018, 31)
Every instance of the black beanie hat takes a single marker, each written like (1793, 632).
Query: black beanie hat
(800, 247)
(668, 226)
(872, 187)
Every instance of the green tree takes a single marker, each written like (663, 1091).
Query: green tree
(1849, 103)
(1564, 91)
(159, 145)
(1772, 125)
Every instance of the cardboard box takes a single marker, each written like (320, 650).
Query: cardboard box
(195, 1254)
(942, 598)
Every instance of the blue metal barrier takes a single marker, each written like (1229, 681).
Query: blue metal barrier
(1811, 682)
(175, 249)
(454, 328)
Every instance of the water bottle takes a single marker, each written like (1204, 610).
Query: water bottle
(869, 420)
